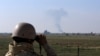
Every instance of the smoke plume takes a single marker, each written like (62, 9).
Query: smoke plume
(57, 15)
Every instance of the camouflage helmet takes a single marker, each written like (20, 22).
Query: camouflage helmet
(24, 30)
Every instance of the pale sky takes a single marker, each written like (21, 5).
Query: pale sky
(82, 15)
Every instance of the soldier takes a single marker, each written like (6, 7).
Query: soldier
(23, 39)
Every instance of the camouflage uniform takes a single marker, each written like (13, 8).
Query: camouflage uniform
(26, 49)
(21, 49)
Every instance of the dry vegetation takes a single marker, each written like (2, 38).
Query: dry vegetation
(64, 45)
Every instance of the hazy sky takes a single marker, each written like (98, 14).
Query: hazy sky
(81, 15)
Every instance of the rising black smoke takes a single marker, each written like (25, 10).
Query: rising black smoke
(57, 15)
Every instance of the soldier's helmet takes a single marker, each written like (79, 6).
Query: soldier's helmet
(24, 30)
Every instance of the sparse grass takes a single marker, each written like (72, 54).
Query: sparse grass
(4, 45)
(64, 45)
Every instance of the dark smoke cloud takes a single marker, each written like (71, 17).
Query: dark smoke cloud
(57, 15)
